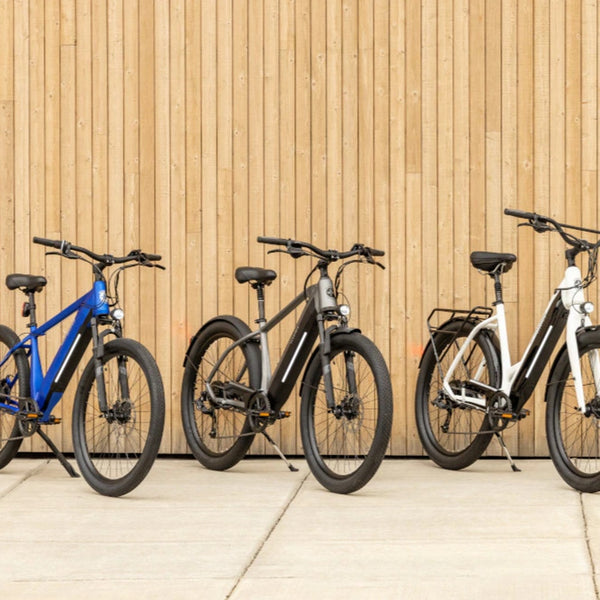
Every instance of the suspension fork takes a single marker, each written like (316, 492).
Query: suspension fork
(123, 378)
(98, 343)
(573, 322)
(325, 350)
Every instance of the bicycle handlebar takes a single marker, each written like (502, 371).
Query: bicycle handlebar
(65, 247)
(541, 223)
(332, 255)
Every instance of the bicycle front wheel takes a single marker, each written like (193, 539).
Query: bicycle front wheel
(455, 435)
(14, 390)
(345, 446)
(116, 448)
(573, 436)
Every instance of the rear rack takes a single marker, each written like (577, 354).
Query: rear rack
(478, 313)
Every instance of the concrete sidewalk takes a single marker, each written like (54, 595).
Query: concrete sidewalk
(259, 531)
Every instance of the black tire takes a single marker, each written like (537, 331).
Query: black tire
(574, 438)
(18, 365)
(116, 451)
(232, 431)
(344, 452)
(464, 440)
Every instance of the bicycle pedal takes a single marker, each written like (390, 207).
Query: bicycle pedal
(513, 416)
(54, 420)
(30, 416)
(284, 414)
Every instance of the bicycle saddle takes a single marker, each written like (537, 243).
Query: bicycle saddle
(244, 274)
(28, 283)
(489, 261)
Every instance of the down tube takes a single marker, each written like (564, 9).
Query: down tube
(294, 357)
(539, 352)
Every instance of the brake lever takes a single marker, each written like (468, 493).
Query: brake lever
(291, 250)
(67, 254)
(144, 262)
(536, 226)
(368, 256)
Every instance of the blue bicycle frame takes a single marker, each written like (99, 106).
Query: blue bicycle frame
(47, 390)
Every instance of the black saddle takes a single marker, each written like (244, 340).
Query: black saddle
(490, 261)
(245, 274)
(27, 283)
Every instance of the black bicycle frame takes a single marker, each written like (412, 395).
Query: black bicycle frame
(540, 350)
(296, 352)
(295, 355)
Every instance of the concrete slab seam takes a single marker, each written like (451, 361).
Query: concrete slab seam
(588, 546)
(34, 471)
(265, 539)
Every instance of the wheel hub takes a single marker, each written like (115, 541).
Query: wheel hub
(593, 408)
(121, 412)
(350, 410)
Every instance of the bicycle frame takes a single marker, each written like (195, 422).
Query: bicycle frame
(320, 305)
(279, 385)
(47, 390)
(519, 379)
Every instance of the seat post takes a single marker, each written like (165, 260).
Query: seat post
(498, 287)
(30, 310)
(260, 293)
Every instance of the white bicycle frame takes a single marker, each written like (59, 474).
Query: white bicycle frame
(573, 299)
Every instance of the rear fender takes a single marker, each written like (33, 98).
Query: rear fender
(241, 327)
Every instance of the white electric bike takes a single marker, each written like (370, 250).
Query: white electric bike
(469, 391)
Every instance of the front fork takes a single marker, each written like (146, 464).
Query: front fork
(325, 363)
(98, 343)
(573, 323)
(325, 337)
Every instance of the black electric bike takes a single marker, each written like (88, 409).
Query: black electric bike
(229, 394)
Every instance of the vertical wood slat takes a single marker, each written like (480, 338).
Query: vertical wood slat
(509, 171)
(188, 128)
(175, 327)
(163, 82)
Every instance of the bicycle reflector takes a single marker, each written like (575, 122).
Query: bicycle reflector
(587, 307)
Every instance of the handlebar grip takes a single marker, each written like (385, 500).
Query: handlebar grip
(375, 252)
(521, 214)
(272, 240)
(58, 244)
(153, 256)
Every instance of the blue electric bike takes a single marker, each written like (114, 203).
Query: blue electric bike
(119, 407)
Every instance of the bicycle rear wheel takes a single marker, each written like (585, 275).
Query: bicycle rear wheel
(219, 434)
(454, 435)
(574, 437)
(344, 448)
(14, 384)
(116, 449)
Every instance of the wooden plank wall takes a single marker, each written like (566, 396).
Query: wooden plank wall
(189, 127)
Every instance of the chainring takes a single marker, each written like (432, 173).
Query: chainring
(259, 412)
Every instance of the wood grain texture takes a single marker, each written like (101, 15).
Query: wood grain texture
(190, 127)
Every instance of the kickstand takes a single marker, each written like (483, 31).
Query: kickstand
(513, 466)
(61, 457)
(290, 466)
